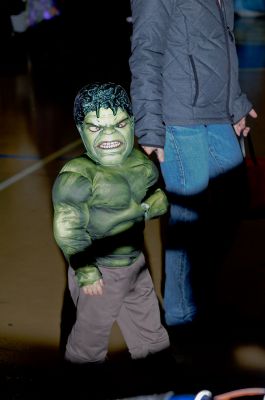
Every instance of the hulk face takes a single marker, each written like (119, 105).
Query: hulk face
(108, 138)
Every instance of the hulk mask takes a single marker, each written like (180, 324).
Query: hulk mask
(104, 120)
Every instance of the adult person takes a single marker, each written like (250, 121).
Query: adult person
(101, 200)
(189, 110)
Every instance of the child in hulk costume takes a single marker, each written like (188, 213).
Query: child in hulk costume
(101, 200)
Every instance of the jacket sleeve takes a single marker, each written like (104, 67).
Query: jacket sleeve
(241, 107)
(150, 20)
(70, 196)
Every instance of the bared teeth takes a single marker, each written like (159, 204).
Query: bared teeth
(109, 145)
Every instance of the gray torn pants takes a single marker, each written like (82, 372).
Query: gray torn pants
(130, 300)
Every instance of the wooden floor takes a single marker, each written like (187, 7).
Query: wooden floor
(37, 137)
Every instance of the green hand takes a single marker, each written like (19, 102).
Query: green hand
(155, 205)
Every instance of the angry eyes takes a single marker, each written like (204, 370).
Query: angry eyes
(96, 128)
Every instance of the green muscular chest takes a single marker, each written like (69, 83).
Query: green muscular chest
(114, 204)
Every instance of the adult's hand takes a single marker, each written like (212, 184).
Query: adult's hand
(159, 152)
(241, 127)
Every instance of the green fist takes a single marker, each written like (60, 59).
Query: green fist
(87, 275)
(155, 205)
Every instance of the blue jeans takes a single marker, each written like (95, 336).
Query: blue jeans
(194, 155)
(253, 5)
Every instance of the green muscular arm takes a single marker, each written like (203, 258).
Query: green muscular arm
(156, 204)
(71, 216)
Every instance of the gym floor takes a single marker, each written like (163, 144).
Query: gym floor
(37, 137)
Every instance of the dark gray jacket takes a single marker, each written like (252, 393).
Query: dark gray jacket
(184, 66)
